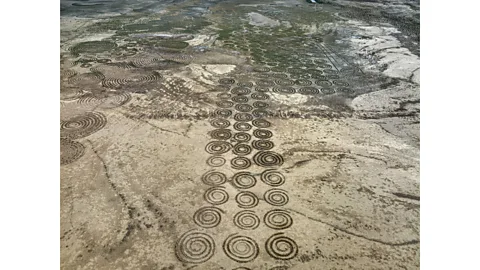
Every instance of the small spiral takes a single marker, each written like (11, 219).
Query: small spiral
(240, 91)
(246, 199)
(240, 163)
(226, 81)
(224, 95)
(279, 75)
(242, 137)
(281, 247)
(218, 147)
(224, 104)
(259, 96)
(272, 178)
(261, 69)
(241, 249)
(208, 217)
(240, 99)
(220, 134)
(246, 220)
(284, 82)
(327, 91)
(261, 123)
(70, 151)
(262, 133)
(340, 83)
(260, 113)
(303, 82)
(323, 83)
(214, 178)
(216, 161)
(308, 91)
(220, 123)
(284, 90)
(276, 197)
(223, 113)
(278, 219)
(244, 180)
(265, 83)
(243, 117)
(242, 126)
(216, 195)
(260, 105)
(333, 76)
(243, 107)
(245, 84)
(222, 88)
(194, 247)
(242, 149)
(262, 145)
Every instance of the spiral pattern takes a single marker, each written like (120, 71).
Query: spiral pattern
(262, 145)
(224, 104)
(223, 113)
(279, 75)
(246, 199)
(241, 249)
(218, 147)
(259, 113)
(319, 77)
(260, 105)
(194, 247)
(268, 159)
(284, 82)
(224, 95)
(260, 96)
(240, 163)
(226, 81)
(340, 83)
(246, 220)
(70, 151)
(262, 89)
(243, 117)
(220, 123)
(82, 125)
(278, 219)
(216, 195)
(323, 83)
(262, 133)
(330, 72)
(240, 91)
(240, 99)
(265, 83)
(281, 247)
(220, 134)
(261, 123)
(242, 149)
(272, 178)
(245, 84)
(284, 90)
(303, 82)
(243, 107)
(346, 90)
(242, 126)
(276, 197)
(216, 161)
(308, 91)
(114, 83)
(242, 137)
(214, 178)
(222, 88)
(328, 91)
(116, 100)
(208, 217)
(244, 180)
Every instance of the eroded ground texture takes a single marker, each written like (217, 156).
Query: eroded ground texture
(239, 134)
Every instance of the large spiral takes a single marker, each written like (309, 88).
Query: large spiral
(272, 178)
(82, 125)
(276, 197)
(281, 247)
(246, 199)
(216, 195)
(208, 217)
(278, 219)
(214, 178)
(194, 247)
(70, 151)
(246, 220)
(218, 147)
(244, 180)
(241, 249)
(267, 159)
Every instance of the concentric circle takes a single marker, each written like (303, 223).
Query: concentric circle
(220, 123)
(243, 107)
(267, 159)
(218, 147)
(278, 219)
(272, 178)
(260, 105)
(242, 126)
(242, 149)
(281, 247)
(241, 249)
(194, 247)
(246, 220)
(262, 145)
(240, 91)
(244, 180)
(259, 96)
(242, 137)
(220, 134)
(276, 197)
(243, 117)
(246, 199)
(261, 123)
(208, 217)
(240, 99)
(214, 178)
(216, 161)
(82, 125)
(262, 133)
(216, 195)
(223, 113)
(240, 163)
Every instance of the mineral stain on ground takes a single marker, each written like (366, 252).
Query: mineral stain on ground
(240, 134)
